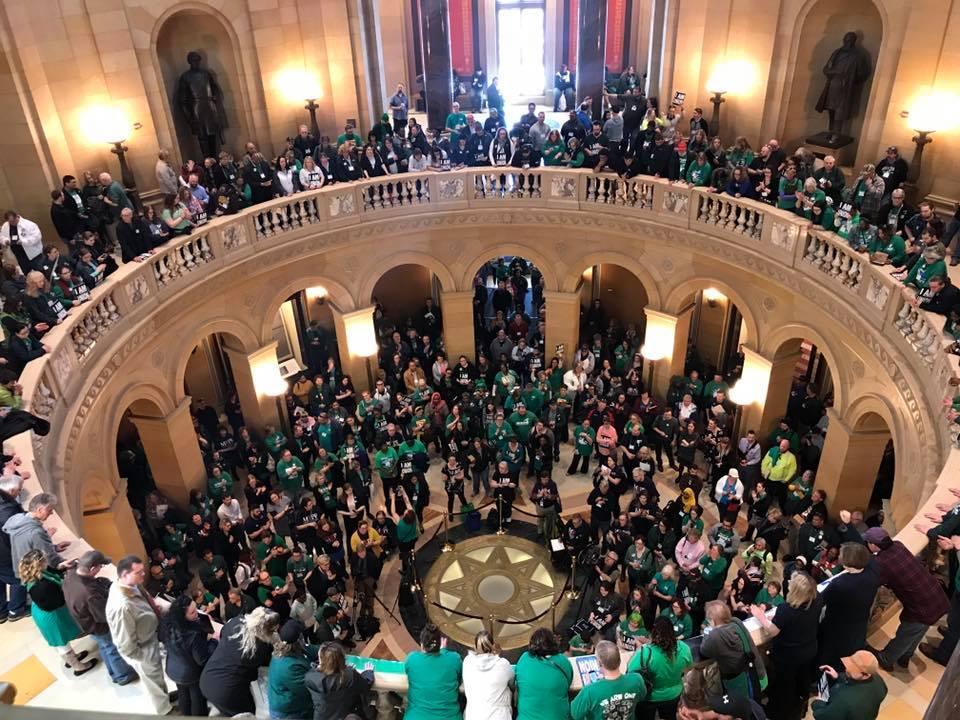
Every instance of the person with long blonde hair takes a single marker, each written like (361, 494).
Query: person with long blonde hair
(49, 609)
(487, 681)
(793, 650)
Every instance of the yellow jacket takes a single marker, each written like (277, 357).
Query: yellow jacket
(783, 470)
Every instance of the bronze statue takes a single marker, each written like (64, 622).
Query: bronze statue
(847, 69)
(200, 99)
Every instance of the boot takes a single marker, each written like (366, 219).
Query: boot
(79, 666)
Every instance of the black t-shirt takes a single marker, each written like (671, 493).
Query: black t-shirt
(798, 632)
(601, 506)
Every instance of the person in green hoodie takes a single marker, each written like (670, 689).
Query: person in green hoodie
(433, 679)
(553, 149)
(615, 695)
(699, 171)
(290, 472)
(663, 662)
(891, 244)
(543, 677)
(287, 695)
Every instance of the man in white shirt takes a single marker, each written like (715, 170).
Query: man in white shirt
(24, 239)
(576, 380)
(229, 510)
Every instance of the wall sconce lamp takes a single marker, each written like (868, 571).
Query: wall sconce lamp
(718, 85)
(107, 123)
(713, 296)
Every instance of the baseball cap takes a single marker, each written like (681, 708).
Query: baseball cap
(291, 631)
(862, 662)
(736, 706)
(93, 558)
(734, 473)
(876, 535)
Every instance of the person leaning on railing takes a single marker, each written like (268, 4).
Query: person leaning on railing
(433, 678)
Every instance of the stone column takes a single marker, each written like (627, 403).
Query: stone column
(667, 334)
(171, 446)
(563, 325)
(357, 342)
(770, 381)
(259, 409)
(367, 59)
(437, 61)
(113, 530)
(458, 331)
(849, 463)
(591, 52)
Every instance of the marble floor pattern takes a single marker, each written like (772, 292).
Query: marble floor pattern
(909, 691)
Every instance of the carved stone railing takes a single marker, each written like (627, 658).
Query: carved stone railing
(126, 302)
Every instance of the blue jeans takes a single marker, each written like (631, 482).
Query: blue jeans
(117, 667)
(17, 603)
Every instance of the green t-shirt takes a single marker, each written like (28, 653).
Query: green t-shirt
(699, 174)
(217, 486)
(264, 593)
(325, 436)
(299, 569)
(275, 442)
(522, 425)
(498, 435)
(585, 437)
(790, 188)
(433, 685)
(714, 572)
(609, 699)
(629, 637)
(387, 462)
(763, 598)
(543, 685)
(456, 120)
(406, 532)
(290, 474)
(665, 586)
(666, 673)
(895, 248)
(682, 627)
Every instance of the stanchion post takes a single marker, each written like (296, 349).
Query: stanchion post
(553, 618)
(500, 530)
(447, 545)
(493, 629)
(573, 593)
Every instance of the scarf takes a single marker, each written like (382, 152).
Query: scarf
(688, 499)
(774, 454)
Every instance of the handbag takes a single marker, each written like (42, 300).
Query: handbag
(644, 670)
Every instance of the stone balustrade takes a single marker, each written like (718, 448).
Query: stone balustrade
(128, 299)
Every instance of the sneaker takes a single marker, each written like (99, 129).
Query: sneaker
(19, 616)
(127, 680)
(3, 618)
(930, 651)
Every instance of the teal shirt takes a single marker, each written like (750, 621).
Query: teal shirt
(286, 693)
(543, 687)
(609, 699)
(522, 424)
(433, 685)
(665, 672)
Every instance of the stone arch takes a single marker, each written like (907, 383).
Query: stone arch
(678, 297)
(609, 257)
(404, 257)
(773, 342)
(549, 268)
(270, 303)
(244, 335)
(233, 16)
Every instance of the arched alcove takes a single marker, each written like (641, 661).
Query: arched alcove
(192, 29)
(402, 291)
(820, 34)
(622, 297)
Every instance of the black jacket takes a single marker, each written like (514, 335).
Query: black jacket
(20, 352)
(134, 238)
(225, 680)
(86, 599)
(66, 222)
(8, 508)
(942, 302)
(187, 652)
(335, 698)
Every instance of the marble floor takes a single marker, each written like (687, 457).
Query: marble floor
(43, 681)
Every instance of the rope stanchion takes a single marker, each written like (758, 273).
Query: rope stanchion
(500, 530)
(447, 545)
(573, 593)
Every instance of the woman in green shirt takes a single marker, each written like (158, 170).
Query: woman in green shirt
(699, 171)
(433, 679)
(663, 662)
(679, 618)
(930, 265)
(810, 196)
(553, 149)
(789, 189)
(890, 244)
(543, 678)
(740, 154)
(176, 216)
(576, 154)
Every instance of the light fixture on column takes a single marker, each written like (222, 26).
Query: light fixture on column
(297, 85)
(929, 113)
(740, 395)
(713, 296)
(362, 340)
(108, 123)
(719, 86)
(316, 294)
(652, 352)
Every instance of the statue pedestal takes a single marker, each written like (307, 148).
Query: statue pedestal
(831, 143)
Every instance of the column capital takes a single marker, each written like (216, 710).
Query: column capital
(148, 420)
(455, 295)
(663, 317)
(252, 355)
(557, 297)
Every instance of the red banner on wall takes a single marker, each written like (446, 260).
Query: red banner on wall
(616, 29)
(461, 36)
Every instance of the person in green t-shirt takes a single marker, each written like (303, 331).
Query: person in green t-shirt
(456, 120)
(615, 695)
(891, 244)
(522, 423)
(543, 677)
(663, 662)
(298, 566)
(290, 472)
(218, 484)
(699, 171)
(679, 618)
(713, 569)
(387, 463)
(630, 631)
(272, 553)
(271, 590)
(789, 189)
(274, 439)
(433, 679)
(349, 133)
(769, 596)
(584, 437)
(498, 432)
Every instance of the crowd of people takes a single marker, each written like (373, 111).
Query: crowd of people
(286, 544)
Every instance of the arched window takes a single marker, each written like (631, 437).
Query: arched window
(520, 39)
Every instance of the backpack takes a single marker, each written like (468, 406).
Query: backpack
(367, 626)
